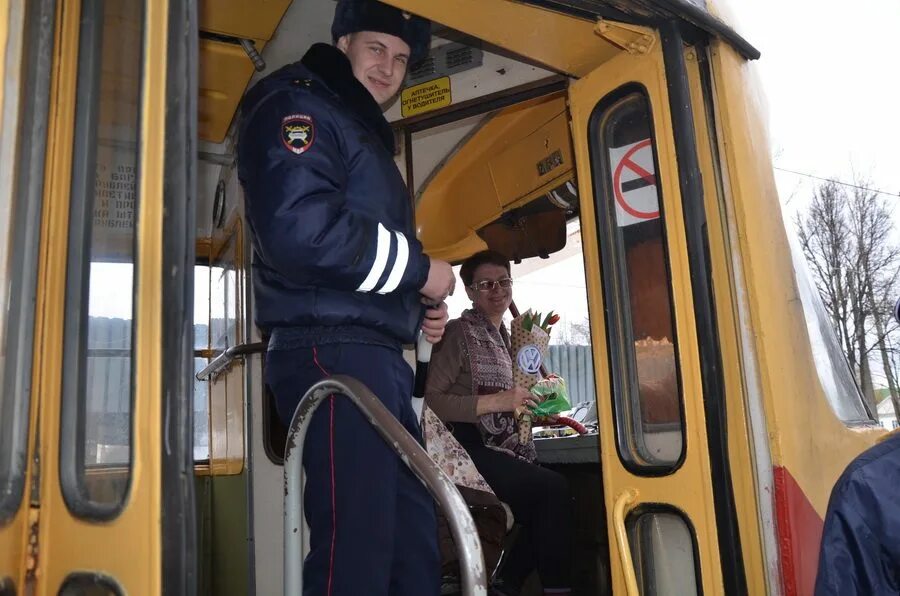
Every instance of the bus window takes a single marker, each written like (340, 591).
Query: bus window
(95, 444)
(223, 313)
(557, 283)
(641, 327)
(201, 347)
(89, 584)
(20, 222)
(831, 363)
(226, 390)
(662, 548)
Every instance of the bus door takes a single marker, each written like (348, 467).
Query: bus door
(667, 482)
(102, 235)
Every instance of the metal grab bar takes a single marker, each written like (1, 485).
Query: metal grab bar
(220, 362)
(628, 496)
(465, 535)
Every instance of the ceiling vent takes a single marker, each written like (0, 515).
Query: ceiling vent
(446, 60)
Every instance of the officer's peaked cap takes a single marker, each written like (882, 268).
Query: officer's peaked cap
(351, 16)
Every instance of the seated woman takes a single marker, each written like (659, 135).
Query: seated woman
(470, 387)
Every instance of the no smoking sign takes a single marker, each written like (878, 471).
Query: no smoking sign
(634, 183)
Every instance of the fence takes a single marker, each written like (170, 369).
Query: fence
(576, 366)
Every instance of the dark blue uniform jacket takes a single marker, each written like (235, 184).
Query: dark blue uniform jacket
(861, 540)
(335, 253)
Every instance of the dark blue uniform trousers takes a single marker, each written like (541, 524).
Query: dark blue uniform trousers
(372, 522)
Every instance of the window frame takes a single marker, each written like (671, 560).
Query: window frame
(835, 376)
(82, 197)
(82, 582)
(621, 357)
(655, 509)
(32, 104)
(200, 353)
(227, 415)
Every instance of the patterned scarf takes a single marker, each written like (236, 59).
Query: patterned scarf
(488, 352)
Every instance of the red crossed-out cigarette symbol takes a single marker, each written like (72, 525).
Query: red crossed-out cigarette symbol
(644, 179)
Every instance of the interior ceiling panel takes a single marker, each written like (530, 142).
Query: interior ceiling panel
(225, 68)
(646, 12)
(247, 19)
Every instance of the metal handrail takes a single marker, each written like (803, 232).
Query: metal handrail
(628, 496)
(223, 360)
(462, 526)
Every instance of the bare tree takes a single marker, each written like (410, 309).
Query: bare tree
(575, 333)
(884, 324)
(825, 238)
(877, 259)
(892, 368)
(847, 239)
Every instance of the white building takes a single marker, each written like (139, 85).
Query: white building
(886, 415)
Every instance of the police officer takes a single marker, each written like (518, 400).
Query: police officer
(860, 550)
(340, 284)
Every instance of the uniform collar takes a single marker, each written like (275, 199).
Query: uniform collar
(333, 68)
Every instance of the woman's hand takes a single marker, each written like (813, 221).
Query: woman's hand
(505, 401)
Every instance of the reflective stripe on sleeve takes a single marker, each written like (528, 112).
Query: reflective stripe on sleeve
(399, 268)
(381, 257)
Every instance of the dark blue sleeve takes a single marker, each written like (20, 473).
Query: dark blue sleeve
(303, 225)
(852, 559)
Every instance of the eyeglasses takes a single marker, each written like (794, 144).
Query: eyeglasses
(488, 285)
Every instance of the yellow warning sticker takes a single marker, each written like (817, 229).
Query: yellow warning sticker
(425, 97)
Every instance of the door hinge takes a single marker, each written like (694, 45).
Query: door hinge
(634, 39)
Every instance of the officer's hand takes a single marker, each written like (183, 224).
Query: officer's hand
(440, 283)
(435, 322)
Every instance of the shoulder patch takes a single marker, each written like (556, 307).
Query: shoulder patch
(298, 133)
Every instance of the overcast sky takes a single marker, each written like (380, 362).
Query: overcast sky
(831, 72)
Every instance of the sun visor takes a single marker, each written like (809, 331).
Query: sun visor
(509, 185)
(521, 237)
